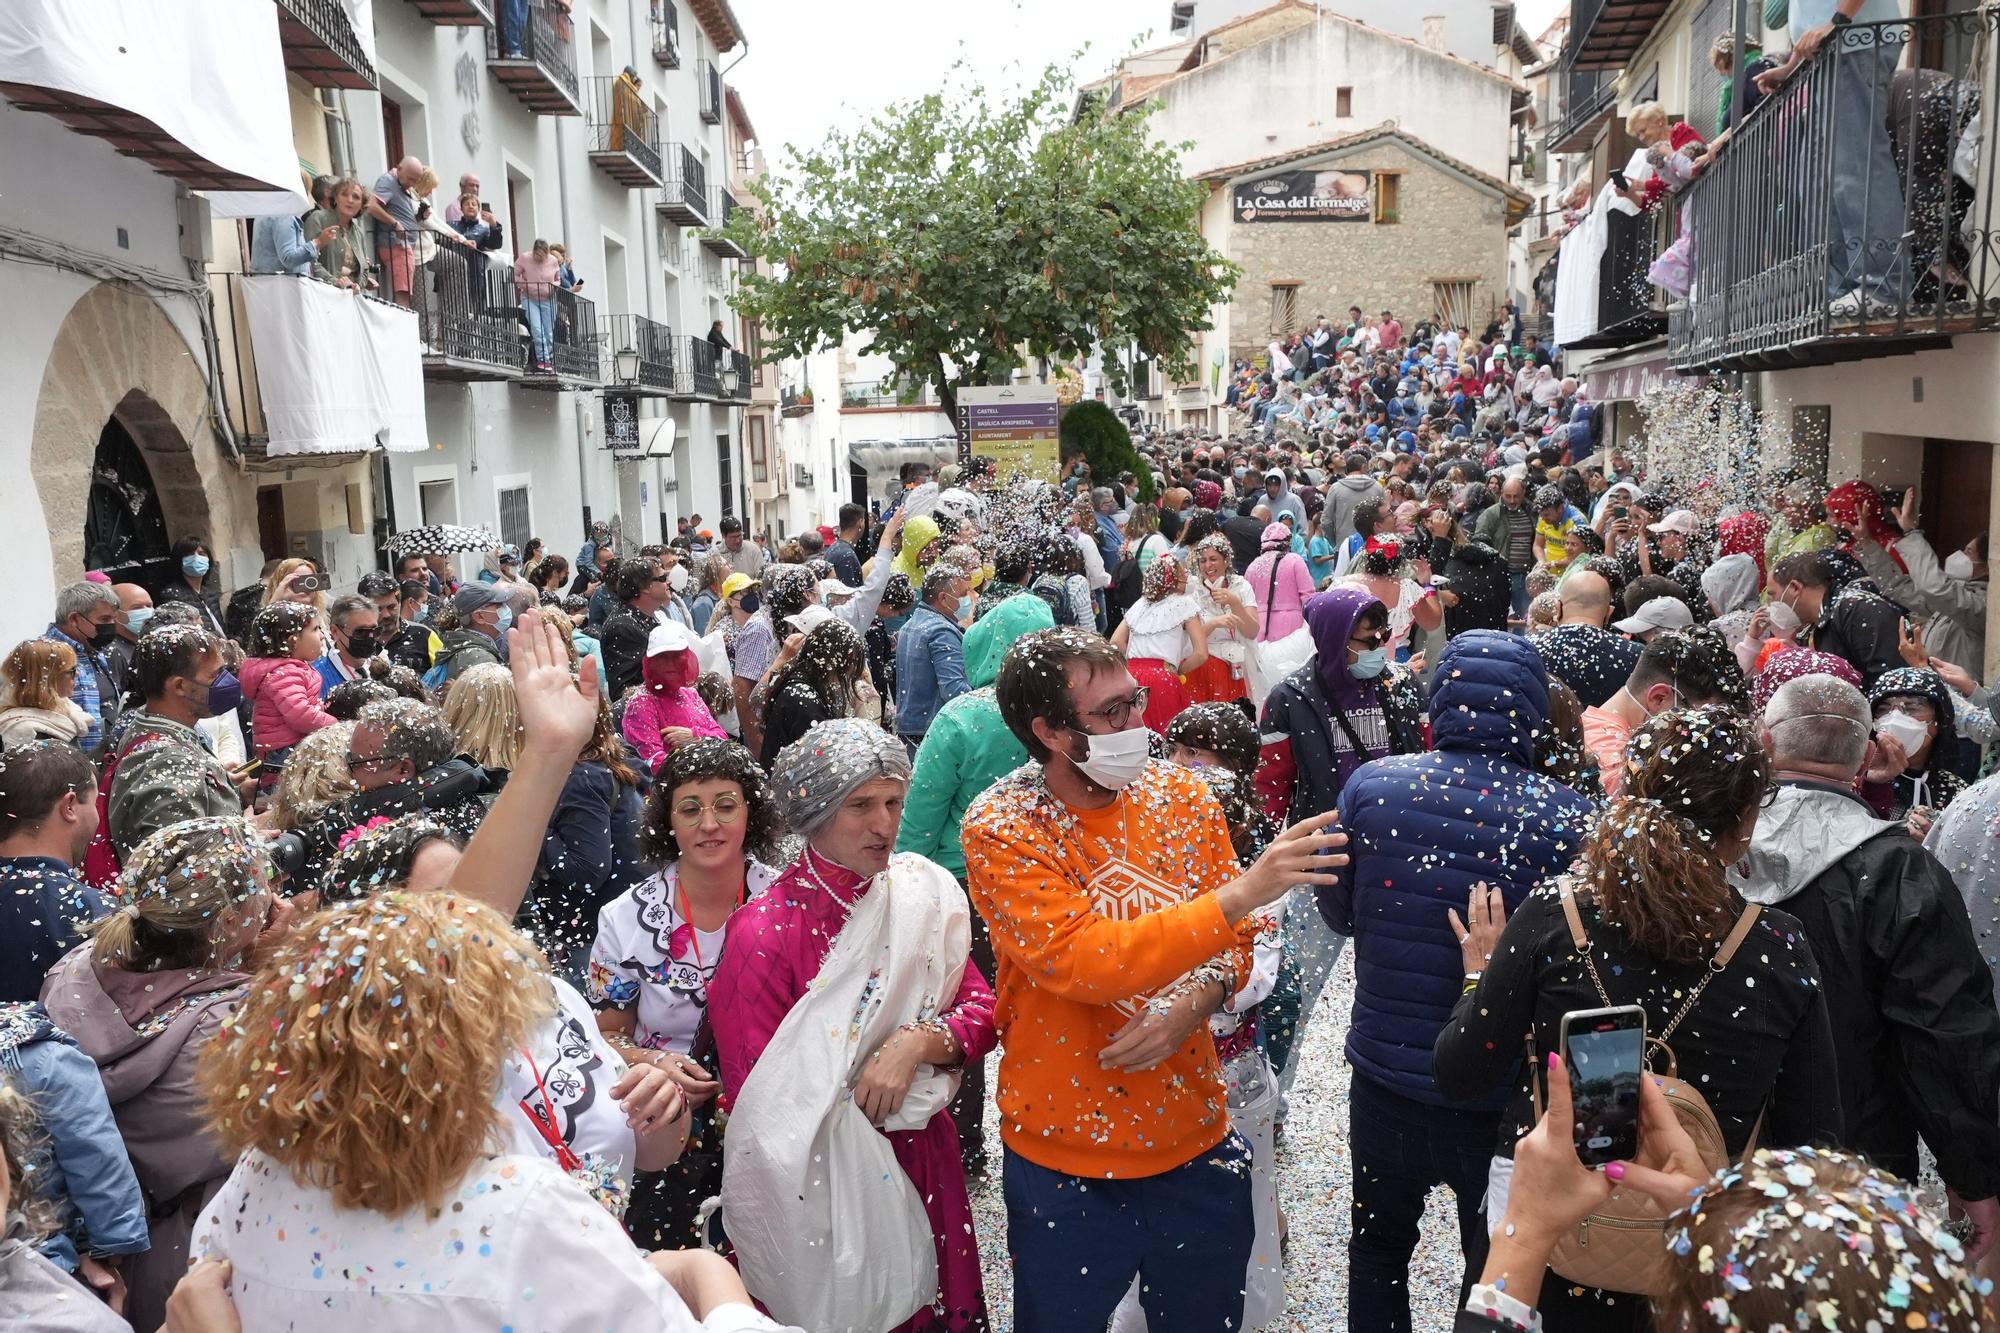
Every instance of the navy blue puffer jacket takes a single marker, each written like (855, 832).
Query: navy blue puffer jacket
(1423, 829)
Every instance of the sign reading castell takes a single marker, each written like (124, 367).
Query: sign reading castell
(1313, 195)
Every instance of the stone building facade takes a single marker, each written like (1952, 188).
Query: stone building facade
(1433, 243)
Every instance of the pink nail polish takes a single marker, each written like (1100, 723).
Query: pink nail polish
(1554, 1062)
(1614, 1171)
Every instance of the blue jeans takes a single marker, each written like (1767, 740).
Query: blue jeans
(1078, 1242)
(513, 27)
(1517, 593)
(541, 327)
(1400, 1149)
(1865, 245)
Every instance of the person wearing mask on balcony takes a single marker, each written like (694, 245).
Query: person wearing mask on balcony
(394, 209)
(1865, 271)
(536, 272)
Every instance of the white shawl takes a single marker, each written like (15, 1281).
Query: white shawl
(829, 1231)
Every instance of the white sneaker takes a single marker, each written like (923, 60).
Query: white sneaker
(1847, 306)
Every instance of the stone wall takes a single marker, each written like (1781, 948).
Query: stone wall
(1449, 229)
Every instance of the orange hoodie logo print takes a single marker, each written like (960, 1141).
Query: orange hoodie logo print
(1124, 892)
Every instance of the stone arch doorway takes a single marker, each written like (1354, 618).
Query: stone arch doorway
(124, 527)
(121, 381)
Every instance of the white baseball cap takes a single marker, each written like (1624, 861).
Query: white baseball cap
(1664, 612)
(809, 619)
(1682, 521)
(668, 636)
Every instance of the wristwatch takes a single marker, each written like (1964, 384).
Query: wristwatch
(1839, 20)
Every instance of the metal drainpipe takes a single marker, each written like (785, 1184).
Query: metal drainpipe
(562, 199)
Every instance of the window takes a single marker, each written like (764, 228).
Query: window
(725, 474)
(392, 130)
(1388, 197)
(759, 466)
(1284, 307)
(753, 347)
(1343, 102)
(1454, 301)
(515, 525)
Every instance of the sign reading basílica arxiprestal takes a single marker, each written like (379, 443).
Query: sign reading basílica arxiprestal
(1307, 196)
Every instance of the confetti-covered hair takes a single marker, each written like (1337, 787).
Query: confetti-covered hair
(38, 673)
(365, 1056)
(830, 660)
(1220, 729)
(485, 717)
(1797, 1237)
(1651, 865)
(816, 773)
(703, 760)
(380, 855)
(315, 776)
(272, 632)
(177, 887)
(21, 1147)
(1164, 577)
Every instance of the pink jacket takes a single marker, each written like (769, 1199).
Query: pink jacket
(285, 693)
(1282, 610)
(650, 714)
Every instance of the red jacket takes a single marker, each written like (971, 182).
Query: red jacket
(285, 695)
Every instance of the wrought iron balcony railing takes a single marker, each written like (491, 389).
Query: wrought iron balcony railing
(666, 34)
(533, 52)
(684, 197)
(639, 355)
(624, 134)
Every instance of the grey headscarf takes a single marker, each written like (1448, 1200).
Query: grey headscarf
(1732, 583)
(821, 769)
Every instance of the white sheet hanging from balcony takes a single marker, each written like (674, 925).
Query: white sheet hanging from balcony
(210, 74)
(336, 373)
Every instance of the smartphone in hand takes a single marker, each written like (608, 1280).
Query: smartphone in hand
(1604, 1051)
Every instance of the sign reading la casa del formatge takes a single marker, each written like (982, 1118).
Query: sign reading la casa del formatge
(1306, 196)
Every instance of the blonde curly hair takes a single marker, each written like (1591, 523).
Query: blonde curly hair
(20, 1137)
(485, 717)
(366, 1055)
(315, 777)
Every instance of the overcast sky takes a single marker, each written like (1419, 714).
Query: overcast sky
(816, 64)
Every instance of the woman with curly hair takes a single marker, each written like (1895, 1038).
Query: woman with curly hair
(1163, 636)
(316, 779)
(280, 684)
(1644, 918)
(1229, 609)
(36, 1292)
(708, 822)
(376, 1145)
(151, 989)
(817, 684)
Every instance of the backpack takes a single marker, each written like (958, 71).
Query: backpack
(1623, 1245)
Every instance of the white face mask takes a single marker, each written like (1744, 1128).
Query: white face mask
(1115, 761)
(677, 578)
(1958, 565)
(1905, 730)
(1783, 619)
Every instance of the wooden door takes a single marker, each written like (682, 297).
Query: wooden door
(1957, 489)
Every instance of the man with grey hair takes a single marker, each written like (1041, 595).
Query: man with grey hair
(87, 619)
(1905, 983)
(484, 613)
(352, 645)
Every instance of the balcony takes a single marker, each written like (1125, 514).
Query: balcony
(537, 58)
(320, 44)
(802, 477)
(1606, 34)
(575, 359)
(1778, 281)
(1585, 99)
(885, 393)
(711, 93)
(470, 318)
(640, 356)
(795, 402)
(725, 209)
(276, 335)
(736, 376)
(1629, 307)
(684, 197)
(624, 134)
(697, 371)
(666, 34)
(457, 13)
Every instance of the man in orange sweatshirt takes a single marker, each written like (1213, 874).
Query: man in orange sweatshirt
(1119, 922)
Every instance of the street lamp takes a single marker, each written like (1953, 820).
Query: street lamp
(628, 364)
(732, 378)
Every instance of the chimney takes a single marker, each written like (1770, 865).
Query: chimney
(1433, 38)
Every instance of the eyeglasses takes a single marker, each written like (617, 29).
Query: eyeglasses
(357, 761)
(726, 809)
(1119, 711)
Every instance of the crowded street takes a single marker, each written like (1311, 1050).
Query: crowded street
(1174, 666)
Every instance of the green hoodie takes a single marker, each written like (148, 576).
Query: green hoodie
(967, 747)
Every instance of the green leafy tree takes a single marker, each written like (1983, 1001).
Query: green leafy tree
(966, 237)
(1094, 430)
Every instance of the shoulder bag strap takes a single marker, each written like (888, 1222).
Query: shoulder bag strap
(1271, 595)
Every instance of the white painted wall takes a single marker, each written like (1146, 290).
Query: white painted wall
(1281, 95)
(1468, 24)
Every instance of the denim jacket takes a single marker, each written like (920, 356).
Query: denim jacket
(81, 1166)
(930, 668)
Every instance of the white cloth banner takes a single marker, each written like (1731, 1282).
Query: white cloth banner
(210, 74)
(336, 373)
